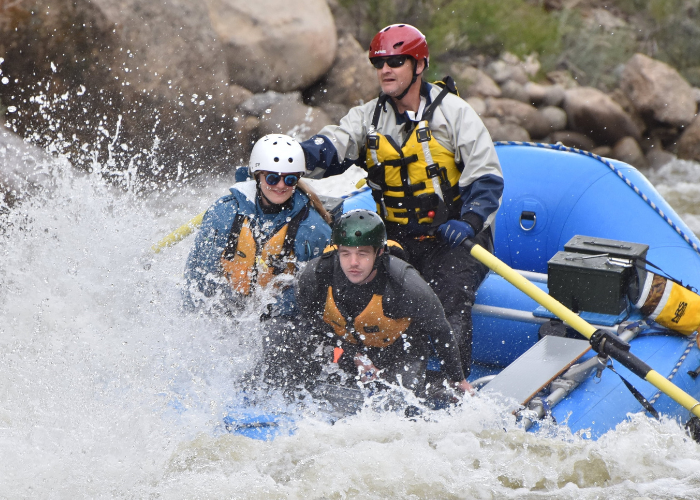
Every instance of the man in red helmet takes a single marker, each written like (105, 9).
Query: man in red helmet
(432, 168)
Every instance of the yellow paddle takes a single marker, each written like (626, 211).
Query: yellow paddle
(179, 234)
(602, 342)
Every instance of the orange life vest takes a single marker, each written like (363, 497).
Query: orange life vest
(245, 262)
(371, 327)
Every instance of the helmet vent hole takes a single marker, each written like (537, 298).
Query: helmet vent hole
(274, 143)
(358, 233)
(276, 159)
(397, 45)
(290, 160)
(362, 217)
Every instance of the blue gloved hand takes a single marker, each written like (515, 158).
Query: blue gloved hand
(455, 232)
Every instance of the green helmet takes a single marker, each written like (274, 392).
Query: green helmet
(358, 228)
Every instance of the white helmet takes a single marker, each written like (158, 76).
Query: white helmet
(277, 153)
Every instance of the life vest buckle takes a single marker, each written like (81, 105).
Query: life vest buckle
(423, 134)
(373, 142)
(434, 170)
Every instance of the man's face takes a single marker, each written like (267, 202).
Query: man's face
(395, 80)
(357, 263)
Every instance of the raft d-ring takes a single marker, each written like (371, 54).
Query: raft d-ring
(529, 216)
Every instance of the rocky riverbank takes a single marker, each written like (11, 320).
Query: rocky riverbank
(182, 87)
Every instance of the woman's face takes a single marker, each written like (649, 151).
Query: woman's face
(276, 193)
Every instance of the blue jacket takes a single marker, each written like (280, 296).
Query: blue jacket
(204, 272)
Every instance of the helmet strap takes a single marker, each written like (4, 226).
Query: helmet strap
(413, 80)
(377, 254)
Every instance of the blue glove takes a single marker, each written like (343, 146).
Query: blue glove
(455, 232)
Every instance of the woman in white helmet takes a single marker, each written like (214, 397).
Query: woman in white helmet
(262, 229)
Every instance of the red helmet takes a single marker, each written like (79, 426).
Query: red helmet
(399, 39)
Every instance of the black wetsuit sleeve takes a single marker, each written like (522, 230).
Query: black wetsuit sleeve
(430, 321)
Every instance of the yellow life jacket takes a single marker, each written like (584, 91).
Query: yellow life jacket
(417, 180)
(244, 262)
(371, 327)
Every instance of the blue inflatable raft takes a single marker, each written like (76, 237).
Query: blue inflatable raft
(553, 194)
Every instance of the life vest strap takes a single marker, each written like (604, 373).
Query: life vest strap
(410, 189)
(423, 202)
(401, 162)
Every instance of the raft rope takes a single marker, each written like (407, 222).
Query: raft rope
(607, 163)
(677, 367)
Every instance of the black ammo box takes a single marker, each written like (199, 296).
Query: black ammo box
(595, 274)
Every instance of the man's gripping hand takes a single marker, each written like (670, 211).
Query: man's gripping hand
(455, 232)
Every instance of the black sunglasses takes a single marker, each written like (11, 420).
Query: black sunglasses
(289, 179)
(392, 61)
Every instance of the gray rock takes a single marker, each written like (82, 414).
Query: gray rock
(627, 149)
(562, 78)
(238, 95)
(657, 158)
(555, 117)
(294, 119)
(595, 114)
(351, 81)
(689, 142)
(548, 95)
(261, 104)
(280, 45)
(335, 111)
(520, 113)
(473, 81)
(658, 90)
(573, 140)
(696, 94)
(505, 131)
(154, 68)
(604, 151)
(554, 95)
(502, 71)
(514, 90)
(477, 104)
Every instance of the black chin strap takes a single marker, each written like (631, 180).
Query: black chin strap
(413, 80)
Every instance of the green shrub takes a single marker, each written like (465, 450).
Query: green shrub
(492, 27)
(591, 53)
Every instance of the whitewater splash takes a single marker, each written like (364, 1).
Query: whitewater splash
(109, 390)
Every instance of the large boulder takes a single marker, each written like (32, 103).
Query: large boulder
(505, 131)
(689, 142)
(658, 91)
(573, 140)
(627, 149)
(285, 114)
(548, 95)
(145, 83)
(595, 114)
(281, 45)
(473, 82)
(351, 81)
(522, 114)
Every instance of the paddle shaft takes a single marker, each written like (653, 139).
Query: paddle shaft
(601, 341)
(179, 234)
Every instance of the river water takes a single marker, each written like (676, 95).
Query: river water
(94, 351)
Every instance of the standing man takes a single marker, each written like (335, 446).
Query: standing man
(382, 320)
(432, 168)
